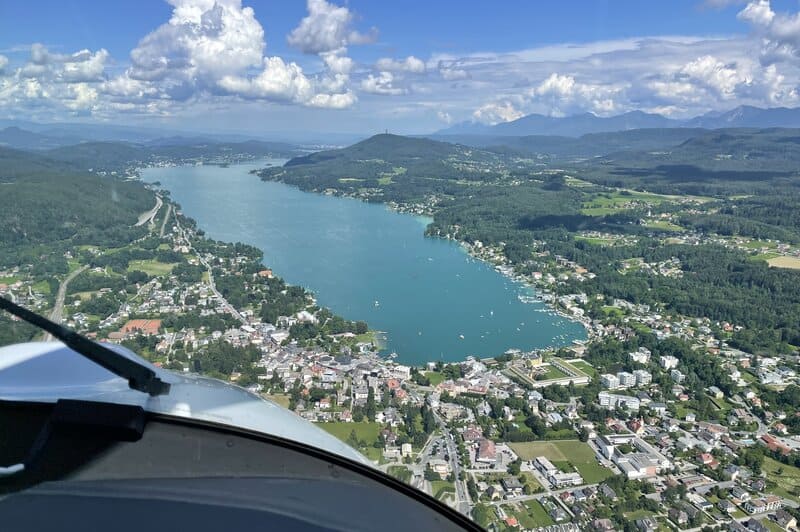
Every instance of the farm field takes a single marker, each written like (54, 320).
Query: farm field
(150, 267)
(792, 263)
(565, 453)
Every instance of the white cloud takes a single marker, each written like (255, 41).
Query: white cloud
(409, 64)
(3, 63)
(86, 66)
(496, 112)
(277, 80)
(722, 78)
(758, 13)
(326, 28)
(204, 40)
(444, 116)
(380, 84)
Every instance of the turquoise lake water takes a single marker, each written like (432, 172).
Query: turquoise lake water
(368, 263)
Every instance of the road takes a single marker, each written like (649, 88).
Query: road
(463, 502)
(164, 223)
(58, 308)
(227, 306)
(150, 215)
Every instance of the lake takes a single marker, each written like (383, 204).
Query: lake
(366, 262)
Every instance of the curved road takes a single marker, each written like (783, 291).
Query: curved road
(150, 215)
(58, 308)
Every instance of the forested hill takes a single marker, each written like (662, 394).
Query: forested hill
(117, 156)
(716, 162)
(48, 207)
(401, 167)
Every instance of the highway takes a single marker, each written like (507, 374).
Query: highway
(164, 223)
(148, 216)
(58, 309)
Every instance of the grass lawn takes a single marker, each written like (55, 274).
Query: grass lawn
(593, 472)
(11, 279)
(365, 430)
(151, 267)
(565, 454)
(536, 515)
(386, 180)
(786, 479)
(584, 367)
(42, 287)
(664, 225)
(766, 256)
(552, 372)
(84, 295)
(435, 377)
(637, 514)
(401, 473)
(440, 488)
(596, 241)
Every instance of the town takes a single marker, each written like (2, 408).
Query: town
(653, 423)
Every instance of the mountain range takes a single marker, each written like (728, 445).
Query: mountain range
(574, 126)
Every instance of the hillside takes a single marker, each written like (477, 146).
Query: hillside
(589, 145)
(401, 167)
(723, 161)
(44, 202)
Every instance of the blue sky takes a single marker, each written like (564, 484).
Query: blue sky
(410, 66)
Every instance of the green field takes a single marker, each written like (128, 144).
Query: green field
(440, 488)
(387, 180)
(563, 453)
(401, 473)
(584, 367)
(664, 225)
(366, 431)
(530, 514)
(42, 287)
(11, 279)
(435, 377)
(151, 267)
(784, 480)
(595, 240)
(553, 372)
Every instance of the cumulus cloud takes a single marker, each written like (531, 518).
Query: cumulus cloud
(381, 84)
(496, 112)
(3, 63)
(327, 27)
(204, 39)
(409, 64)
(779, 32)
(565, 95)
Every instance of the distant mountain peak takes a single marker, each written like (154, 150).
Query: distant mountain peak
(585, 123)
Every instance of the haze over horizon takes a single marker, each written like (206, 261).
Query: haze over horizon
(257, 67)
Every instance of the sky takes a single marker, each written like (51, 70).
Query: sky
(409, 66)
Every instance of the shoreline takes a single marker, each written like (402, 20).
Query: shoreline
(524, 288)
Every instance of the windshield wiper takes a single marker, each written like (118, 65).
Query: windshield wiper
(139, 377)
